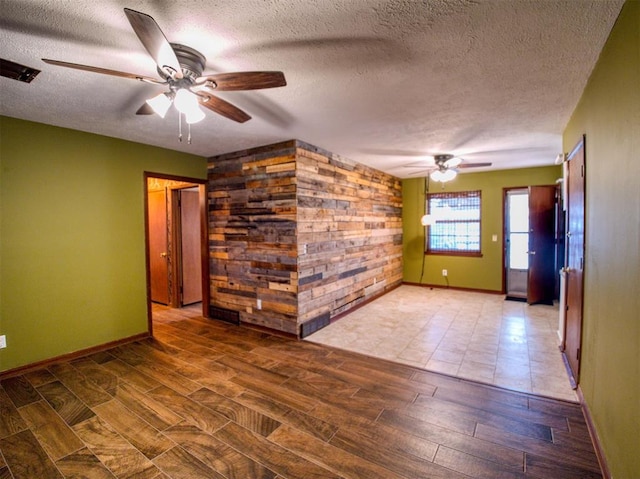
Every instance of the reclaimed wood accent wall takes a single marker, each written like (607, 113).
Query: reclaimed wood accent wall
(298, 235)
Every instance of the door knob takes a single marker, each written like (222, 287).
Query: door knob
(531, 252)
(163, 255)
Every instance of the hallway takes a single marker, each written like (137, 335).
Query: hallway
(469, 335)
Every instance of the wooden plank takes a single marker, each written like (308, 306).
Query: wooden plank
(52, 432)
(39, 377)
(10, 420)
(286, 415)
(236, 412)
(65, 403)
(131, 375)
(116, 453)
(26, 458)
(83, 464)
(97, 374)
(20, 391)
(87, 391)
(180, 464)
(475, 466)
(332, 458)
(217, 455)
(273, 456)
(138, 432)
(475, 446)
(569, 456)
(153, 412)
(193, 412)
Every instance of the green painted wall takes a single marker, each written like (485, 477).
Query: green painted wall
(483, 273)
(72, 246)
(609, 114)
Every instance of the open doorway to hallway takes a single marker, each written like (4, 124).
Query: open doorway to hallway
(176, 243)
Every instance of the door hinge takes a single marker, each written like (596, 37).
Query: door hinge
(582, 171)
(581, 263)
(578, 354)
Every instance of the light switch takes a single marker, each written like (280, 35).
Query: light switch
(494, 238)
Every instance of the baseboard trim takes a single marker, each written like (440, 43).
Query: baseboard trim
(456, 288)
(595, 440)
(70, 356)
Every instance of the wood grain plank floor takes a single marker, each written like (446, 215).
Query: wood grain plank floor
(205, 399)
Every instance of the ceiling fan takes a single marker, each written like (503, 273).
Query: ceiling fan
(180, 68)
(446, 167)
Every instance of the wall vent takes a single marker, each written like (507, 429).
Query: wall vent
(15, 71)
(314, 324)
(223, 314)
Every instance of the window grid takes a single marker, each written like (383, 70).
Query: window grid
(457, 226)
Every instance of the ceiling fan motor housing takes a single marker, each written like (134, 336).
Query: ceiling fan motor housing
(442, 159)
(192, 63)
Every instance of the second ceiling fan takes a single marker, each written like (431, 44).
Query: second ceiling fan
(446, 167)
(181, 70)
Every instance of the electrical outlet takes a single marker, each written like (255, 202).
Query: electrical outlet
(259, 304)
(3, 341)
(444, 272)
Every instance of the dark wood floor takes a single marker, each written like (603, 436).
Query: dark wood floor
(204, 399)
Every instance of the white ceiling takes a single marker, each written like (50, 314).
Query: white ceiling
(383, 82)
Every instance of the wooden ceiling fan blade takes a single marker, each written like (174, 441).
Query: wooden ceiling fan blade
(222, 107)
(473, 165)
(245, 80)
(153, 39)
(104, 71)
(145, 109)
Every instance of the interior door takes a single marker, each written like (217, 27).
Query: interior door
(574, 265)
(190, 256)
(542, 223)
(158, 241)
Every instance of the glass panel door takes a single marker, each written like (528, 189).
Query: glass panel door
(517, 242)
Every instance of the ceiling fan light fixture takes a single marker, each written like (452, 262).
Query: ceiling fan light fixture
(453, 162)
(194, 116)
(428, 220)
(186, 102)
(443, 175)
(160, 104)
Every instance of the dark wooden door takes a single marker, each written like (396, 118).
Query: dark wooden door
(574, 266)
(190, 255)
(158, 257)
(542, 225)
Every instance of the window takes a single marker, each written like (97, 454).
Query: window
(457, 227)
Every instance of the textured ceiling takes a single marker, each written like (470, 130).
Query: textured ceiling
(386, 83)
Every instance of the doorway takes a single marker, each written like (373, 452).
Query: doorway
(176, 242)
(517, 243)
(530, 244)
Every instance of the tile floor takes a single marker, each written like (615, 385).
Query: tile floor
(470, 335)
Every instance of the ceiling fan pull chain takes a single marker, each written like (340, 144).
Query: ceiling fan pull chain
(179, 127)
(189, 129)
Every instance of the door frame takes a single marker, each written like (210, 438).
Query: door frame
(505, 221)
(505, 191)
(204, 238)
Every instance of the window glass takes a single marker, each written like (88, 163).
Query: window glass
(457, 226)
